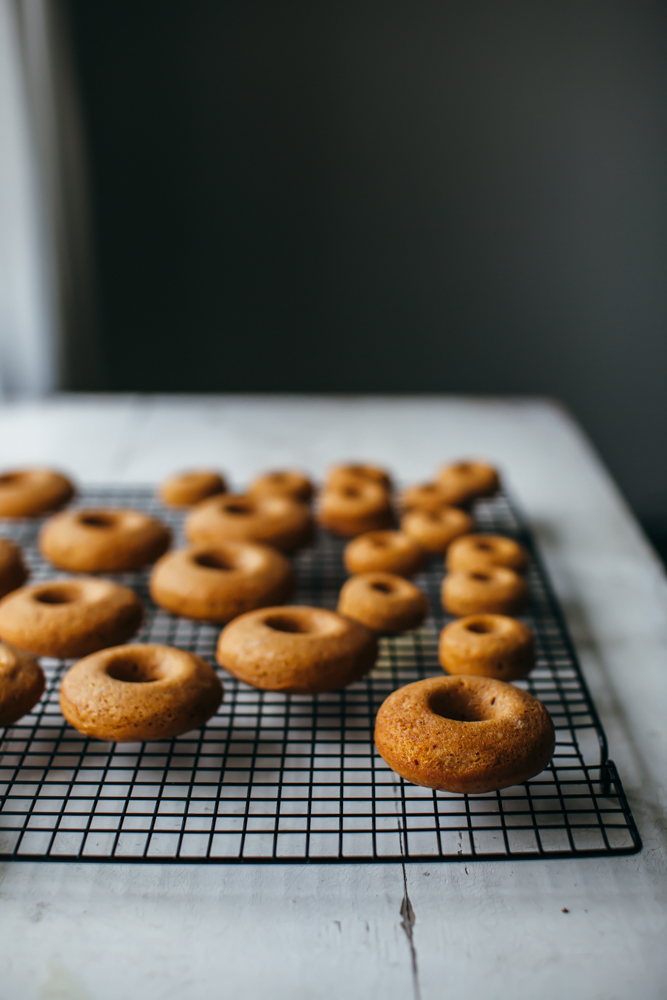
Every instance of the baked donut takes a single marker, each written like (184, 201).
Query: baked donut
(466, 735)
(433, 530)
(296, 650)
(219, 582)
(103, 541)
(341, 475)
(383, 602)
(284, 484)
(66, 618)
(433, 496)
(273, 520)
(493, 590)
(22, 684)
(129, 694)
(355, 507)
(487, 646)
(32, 492)
(477, 551)
(477, 478)
(386, 551)
(13, 572)
(190, 488)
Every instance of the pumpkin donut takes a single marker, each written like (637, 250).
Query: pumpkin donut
(383, 602)
(466, 735)
(219, 582)
(355, 507)
(66, 618)
(296, 650)
(433, 496)
(385, 551)
(32, 492)
(190, 488)
(433, 530)
(493, 590)
(13, 572)
(341, 475)
(288, 483)
(488, 646)
(477, 551)
(103, 541)
(22, 684)
(129, 694)
(477, 478)
(273, 520)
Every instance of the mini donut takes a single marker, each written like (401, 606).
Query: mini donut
(285, 484)
(466, 735)
(493, 590)
(66, 618)
(433, 496)
(355, 507)
(273, 520)
(383, 602)
(488, 646)
(296, 650)
(478, 551)
(129, 694)
(103, 541)
(434, 530)
(190, 488)
(22, 684)
(341, 475)
(477, 478)
(32, 492)
(219, 582)
(385, 551)
(13, 572)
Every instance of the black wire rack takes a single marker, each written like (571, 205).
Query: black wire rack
(290, 778)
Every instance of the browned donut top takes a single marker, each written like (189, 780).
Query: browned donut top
(341, 475)
(435, 529)
(31, 492)
(495, 589)
(384, 602)
(488, 645)
(386, 551)
(477, 478)
(189, 488)
(287, 483)
(433, 496)
(103, 541)
(354, 499)
(271, 519)
(477, 551)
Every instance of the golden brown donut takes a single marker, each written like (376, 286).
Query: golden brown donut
(219, 582)
(493, 590)
(296, 650)
(385, 551)
(65, 618)
(433, 496)
(477, 551)
(434, 530)
(488, 646)
(22, 684)
(103, 541)
(342, 475)
(285, 484)
(13, 572)
(190, 488)
(477, 478)
(32, 492)
(466, 735)
(355, 507)
(273, 520)
(133, 693)
(383, 602)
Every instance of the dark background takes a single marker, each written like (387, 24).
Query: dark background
(391, 196)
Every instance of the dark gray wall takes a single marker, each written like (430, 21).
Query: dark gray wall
(401, 195)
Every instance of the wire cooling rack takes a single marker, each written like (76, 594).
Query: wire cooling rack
(290, 778)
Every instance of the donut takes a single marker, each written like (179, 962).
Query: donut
(32, 492)
(341, 475)
(386, 551)
(383, 602)
(493, 590)
(129, 694)
(487, 646)
(466, 735)
(66, 618)
(433, 530)
(273, 520)
(433, 496)
(219, 582)
(477, 552)
(190, 488)
(477, 478)
(296, 650)
(103, 541)
(355, 507)
(284, 484)
(22, 684)
(13, 572)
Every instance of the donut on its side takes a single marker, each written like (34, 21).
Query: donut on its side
(487, 646)
(22, 684)
(386, 603)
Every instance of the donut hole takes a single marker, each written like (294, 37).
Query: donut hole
(481, 628)
(482, 577)
(378, 543)
(65, 594)
(97, 520)
(277, 477)
(484, 547)
(132, 671)
(458, 706)
(213, 560)
(238, 508)
(350, 491)
(462, 467)
(11, 478)
(285, 623)
(383, 588)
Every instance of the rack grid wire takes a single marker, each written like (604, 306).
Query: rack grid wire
(290, 778)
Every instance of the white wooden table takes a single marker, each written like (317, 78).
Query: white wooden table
(488, 930)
